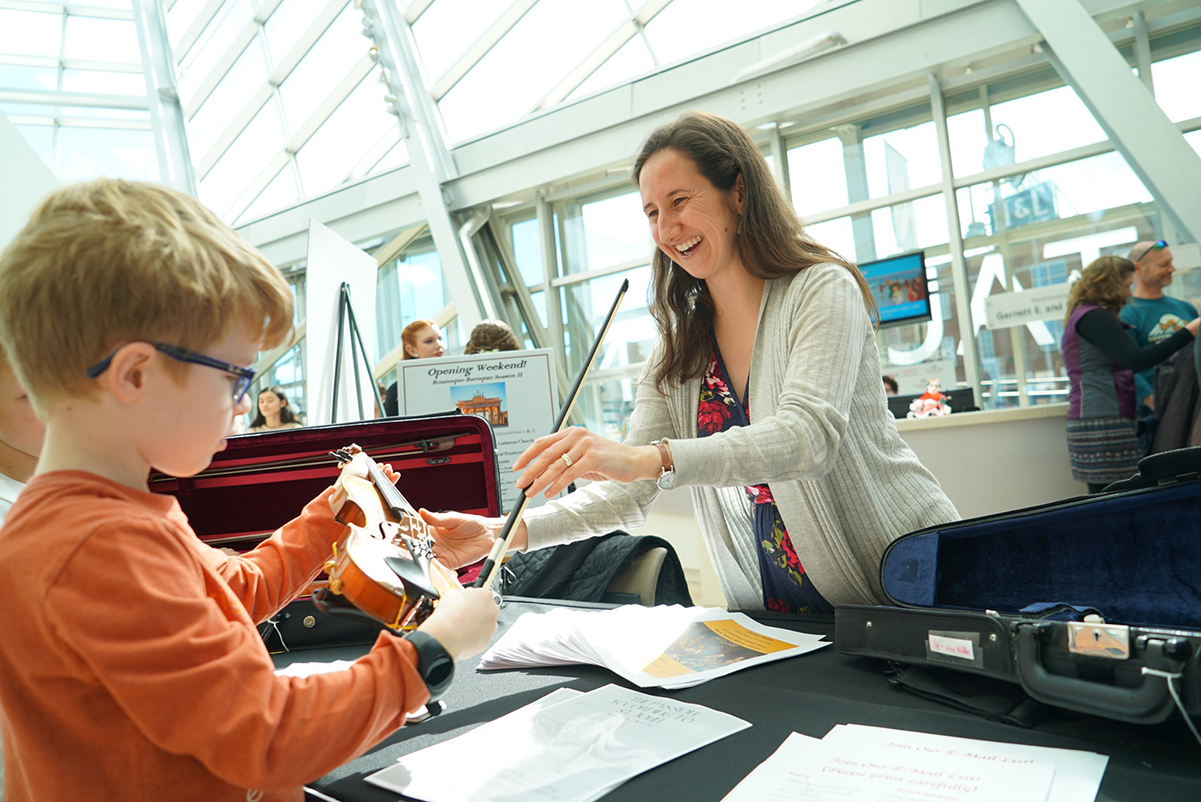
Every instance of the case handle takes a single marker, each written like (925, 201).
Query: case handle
(1149, 703)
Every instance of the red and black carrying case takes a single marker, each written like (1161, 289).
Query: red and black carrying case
(1092, 603)
(263, 480)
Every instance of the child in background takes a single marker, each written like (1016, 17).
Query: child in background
(20, 437)
(130, 666)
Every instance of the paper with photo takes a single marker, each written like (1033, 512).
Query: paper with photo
(514, 390)
(663, 646)
(821, 771)
(565, 751)
(1077, 773)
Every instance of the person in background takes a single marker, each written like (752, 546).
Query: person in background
(20, 437)
(1101, 358)
(422, 339)
(491, 335)
(1153, 318)
(164, 689)
(762, 395)
(383, 392)
(890, 385)
(274, 412)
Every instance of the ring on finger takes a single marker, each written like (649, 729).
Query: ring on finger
(567, 458)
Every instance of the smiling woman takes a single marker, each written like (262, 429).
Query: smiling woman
(763, 395)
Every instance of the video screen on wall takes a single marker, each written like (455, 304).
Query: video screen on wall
(899, 286)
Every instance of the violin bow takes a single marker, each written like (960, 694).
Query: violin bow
(503, 540)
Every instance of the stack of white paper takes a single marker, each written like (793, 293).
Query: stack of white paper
(873, 764)
(666, 647)
(567, 747)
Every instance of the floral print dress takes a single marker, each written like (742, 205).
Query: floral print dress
(785, 586)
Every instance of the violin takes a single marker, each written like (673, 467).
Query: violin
(383, 569)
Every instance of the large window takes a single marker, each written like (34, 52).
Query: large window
(283, 100)
(411, 287)
(72, 82)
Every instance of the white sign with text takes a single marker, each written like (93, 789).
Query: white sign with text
(1008, 309)
(513, 390)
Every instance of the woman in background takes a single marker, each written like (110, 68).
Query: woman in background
(491, 335)
(274, 412)
(1101, 358)
(422, 339)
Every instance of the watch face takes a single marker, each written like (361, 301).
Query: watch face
(667, 480)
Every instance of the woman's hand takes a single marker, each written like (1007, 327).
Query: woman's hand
(589, 456)
(461, 539)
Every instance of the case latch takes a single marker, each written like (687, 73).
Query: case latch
(1099, 640)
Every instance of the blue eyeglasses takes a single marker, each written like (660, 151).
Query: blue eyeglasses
(245, 375)
(1158, 245)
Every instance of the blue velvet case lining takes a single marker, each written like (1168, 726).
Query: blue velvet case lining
(1135, 557)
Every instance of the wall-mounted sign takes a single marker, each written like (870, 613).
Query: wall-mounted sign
(1006, 309)
(1033, 205)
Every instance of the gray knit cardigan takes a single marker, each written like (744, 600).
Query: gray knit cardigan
(821, 436)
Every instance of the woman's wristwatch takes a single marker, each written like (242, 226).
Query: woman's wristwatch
(667, 469)
(434, 663)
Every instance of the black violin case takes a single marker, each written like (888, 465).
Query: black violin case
(261, 481)
(1092, 604)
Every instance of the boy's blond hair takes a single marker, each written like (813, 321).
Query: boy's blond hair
(107, 262)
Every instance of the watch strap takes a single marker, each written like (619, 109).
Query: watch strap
(665, 458)
(434, 663)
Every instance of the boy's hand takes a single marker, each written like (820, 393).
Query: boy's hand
(463, 622)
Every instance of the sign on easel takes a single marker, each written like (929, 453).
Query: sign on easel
(333, 262)
(514, 390)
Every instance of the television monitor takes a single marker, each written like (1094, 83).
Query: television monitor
(899, 286)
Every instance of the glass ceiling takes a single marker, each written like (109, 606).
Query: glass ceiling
(282, 100)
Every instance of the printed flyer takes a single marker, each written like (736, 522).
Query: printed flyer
(514, 390)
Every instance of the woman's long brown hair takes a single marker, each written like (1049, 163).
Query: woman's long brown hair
(770, 238)
(1102, 283)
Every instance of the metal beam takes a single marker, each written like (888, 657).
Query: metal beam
(302, 135)
(54, 98)
(430, 163)
(192, 34)
(603, 52)
(232, 53)
(170, 136)
(1152, 146)
(510, 17)
(274, 80)
(963, 298)
(416, 9)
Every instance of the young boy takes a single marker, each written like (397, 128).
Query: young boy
(20, 437)
(130, 667)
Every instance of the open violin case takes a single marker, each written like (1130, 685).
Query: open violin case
(1092, 604)
(261, 481)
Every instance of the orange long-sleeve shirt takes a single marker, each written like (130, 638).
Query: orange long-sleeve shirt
(130, 667)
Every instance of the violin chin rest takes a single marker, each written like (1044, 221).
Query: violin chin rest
(337, 606)
(415, 581)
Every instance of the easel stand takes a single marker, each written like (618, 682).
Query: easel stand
(346, 314)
